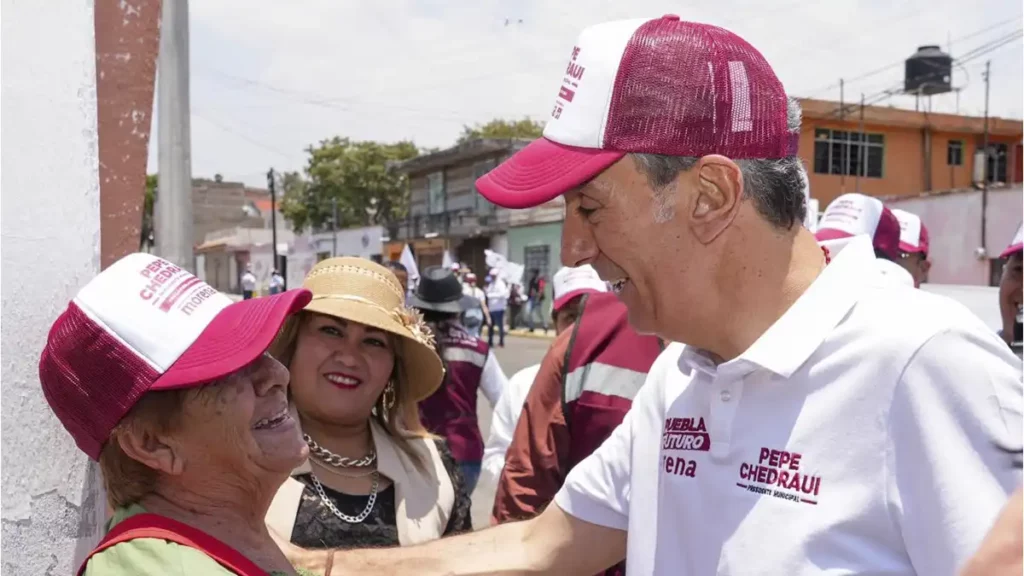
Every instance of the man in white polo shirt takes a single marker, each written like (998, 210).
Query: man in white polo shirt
(816, 420)
(852, 215)
(913, 245)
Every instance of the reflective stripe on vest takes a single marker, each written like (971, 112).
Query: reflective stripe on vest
(453, 354)
(603, 379)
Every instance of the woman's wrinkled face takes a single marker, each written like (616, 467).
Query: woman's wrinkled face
(339, 369)
(241, 424)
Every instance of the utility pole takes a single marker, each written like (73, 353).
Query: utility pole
(271, 185)
(334, 227)
(985, 174)
(863, 148)
(172, 213)
(846, 146)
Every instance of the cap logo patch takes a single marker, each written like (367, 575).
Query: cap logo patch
(570, 82)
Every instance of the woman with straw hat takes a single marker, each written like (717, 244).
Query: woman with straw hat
(360, 362)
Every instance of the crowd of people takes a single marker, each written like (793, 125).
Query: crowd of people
(729, 393)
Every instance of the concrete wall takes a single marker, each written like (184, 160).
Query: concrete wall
(52, 508)
(954, 228)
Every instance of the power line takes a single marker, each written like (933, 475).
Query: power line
(973, 54)
(899, 63)
(237, 134)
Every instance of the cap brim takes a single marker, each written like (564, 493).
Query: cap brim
(233, 340)
(568, 296)
(1011, 249)
(831, 234)
(910, 248)
(542, 171)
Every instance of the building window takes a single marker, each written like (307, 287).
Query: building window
(483, 205)
(955, 153)
(536, 257)
(435, 193)
(848, 153)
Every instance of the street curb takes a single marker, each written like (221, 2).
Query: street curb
(549, 335)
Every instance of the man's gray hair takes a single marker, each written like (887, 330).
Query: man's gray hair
(777, 187)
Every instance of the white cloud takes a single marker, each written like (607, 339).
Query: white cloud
(270, 77)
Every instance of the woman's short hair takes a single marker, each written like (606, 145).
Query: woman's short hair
(126, 479)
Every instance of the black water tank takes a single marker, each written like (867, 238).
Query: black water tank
(929, 71)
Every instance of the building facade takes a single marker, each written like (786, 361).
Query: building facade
(445, 210)
(894, 152)
(217, 204)
(958, 250)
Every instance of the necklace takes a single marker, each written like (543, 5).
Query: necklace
(327, 457)
(338, 472)
(334, 509)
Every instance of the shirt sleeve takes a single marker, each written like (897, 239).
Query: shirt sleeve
(536, 459)
(493, 380)
(501, 434)
(955, 412)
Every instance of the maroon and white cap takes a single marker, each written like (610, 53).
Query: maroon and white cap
(146, 324)
(913, 233)
(659, 86)
(1016, 245)
(853, 214)
(569, 283)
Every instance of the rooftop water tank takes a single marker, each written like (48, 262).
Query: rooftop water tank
(929, 71)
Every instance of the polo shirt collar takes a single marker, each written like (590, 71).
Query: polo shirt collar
(791, 340)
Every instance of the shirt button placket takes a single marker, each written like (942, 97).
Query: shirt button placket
(727, 390)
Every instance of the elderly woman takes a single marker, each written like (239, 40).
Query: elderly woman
(166, 383)
(359, 362)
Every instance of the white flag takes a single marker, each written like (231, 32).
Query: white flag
(410, 264)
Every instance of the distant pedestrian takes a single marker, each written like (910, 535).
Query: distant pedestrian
(515, 306)
(535, 300)
(474, 318)
(400, 272)
(248, 282)
(1010, 293)
(497, 301)
(276, 282)
(913, 246)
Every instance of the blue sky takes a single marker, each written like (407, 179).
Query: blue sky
(271, 77)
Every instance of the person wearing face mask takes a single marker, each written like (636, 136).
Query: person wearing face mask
(166, 384)
(360, 361)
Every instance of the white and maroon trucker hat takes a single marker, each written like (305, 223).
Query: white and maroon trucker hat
(913, 233)
(660, 86)
(146, 324)
(853, 214)
(1016, 245)
(569, 283)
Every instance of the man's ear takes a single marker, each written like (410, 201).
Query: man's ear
(156, 451)
(719, 188)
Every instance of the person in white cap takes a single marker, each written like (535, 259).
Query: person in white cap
(1011, 293)
(807, 417)
(570, 285)
(497, 293)
(914, 245)
(166, 383)
(852, 215)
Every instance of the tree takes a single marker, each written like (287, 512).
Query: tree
(358, 175)
(499, 128)
(149, 199)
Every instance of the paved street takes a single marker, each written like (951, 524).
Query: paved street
(518, 353)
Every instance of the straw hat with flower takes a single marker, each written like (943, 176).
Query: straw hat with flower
(358, 290)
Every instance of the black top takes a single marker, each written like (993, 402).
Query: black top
(317, 527)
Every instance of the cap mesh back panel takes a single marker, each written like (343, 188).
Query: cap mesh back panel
(688, 89)
(90, 379)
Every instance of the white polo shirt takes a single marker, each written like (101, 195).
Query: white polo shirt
(856, 436)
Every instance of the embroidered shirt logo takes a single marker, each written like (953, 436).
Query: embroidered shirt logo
(777, 473)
